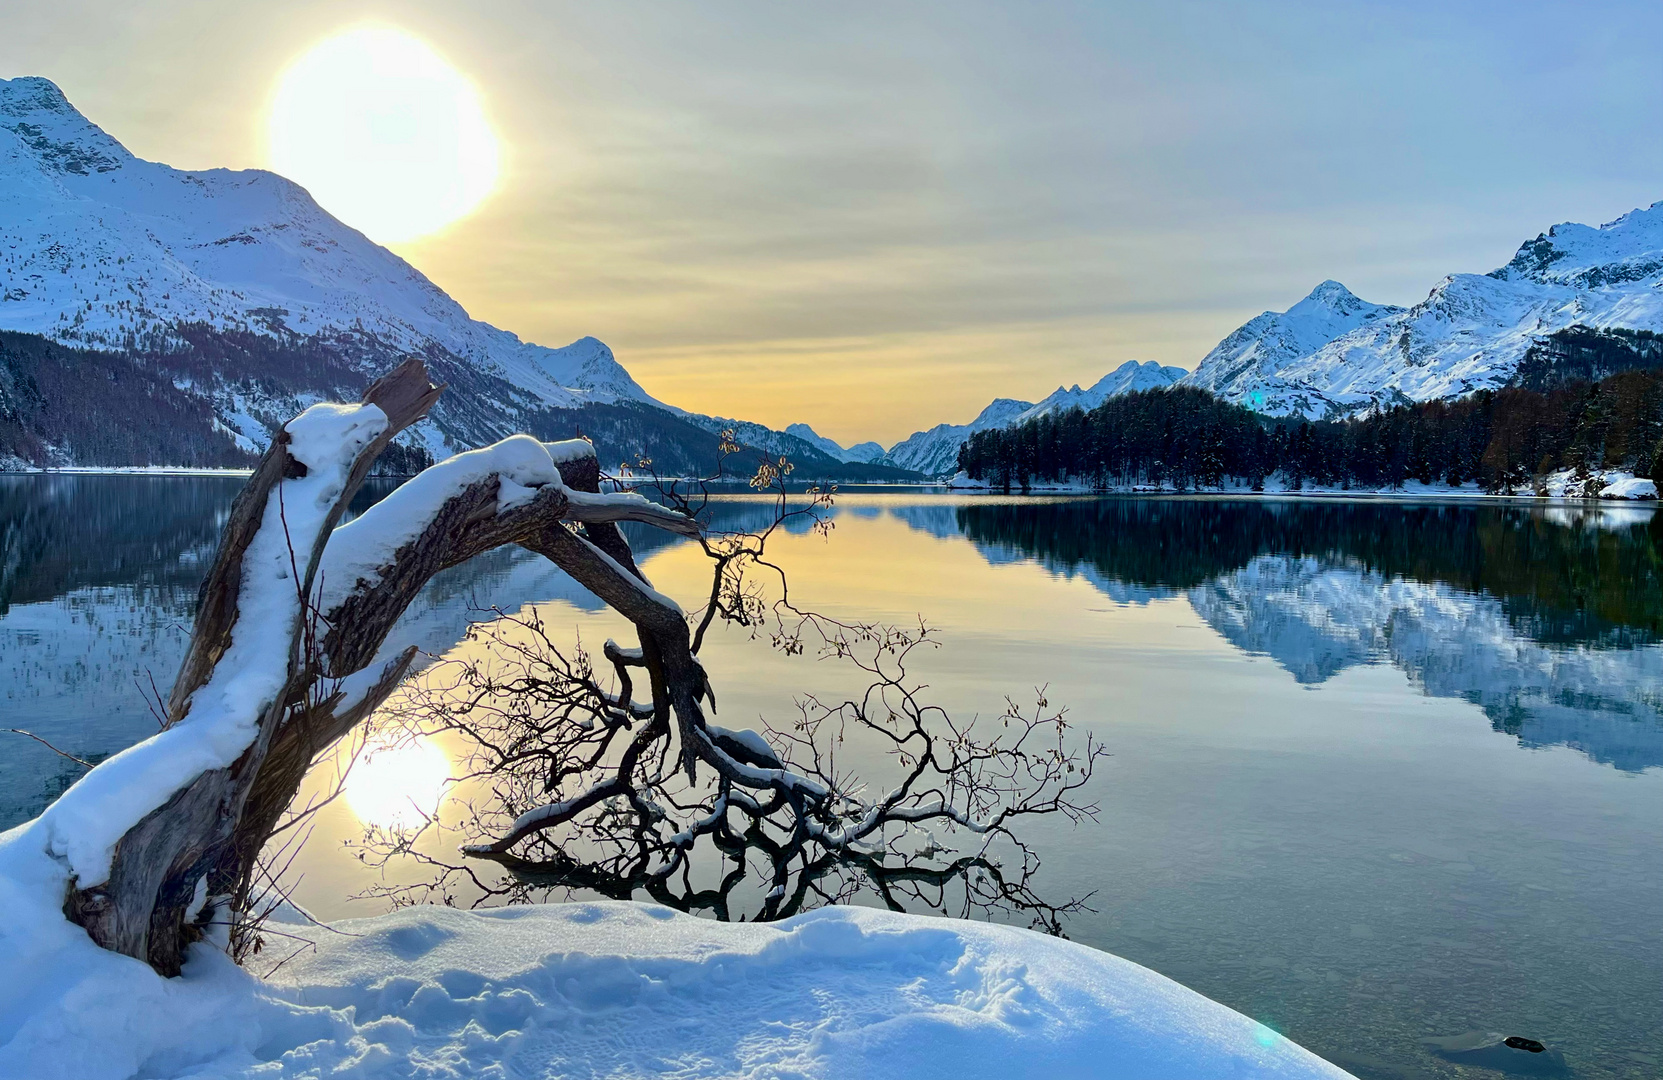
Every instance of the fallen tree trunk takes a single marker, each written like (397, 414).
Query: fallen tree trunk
(190, 861)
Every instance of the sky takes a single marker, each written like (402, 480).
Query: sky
(876, 217)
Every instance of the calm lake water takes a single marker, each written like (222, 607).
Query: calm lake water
(1380, 771)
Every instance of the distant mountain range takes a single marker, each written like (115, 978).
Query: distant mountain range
(150, 315)
(936, 451)
(869, 452)
(1333, 354)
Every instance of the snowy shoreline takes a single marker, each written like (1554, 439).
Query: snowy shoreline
(626, 989)
(125, 470)
(1413, 491)
(1559, 489)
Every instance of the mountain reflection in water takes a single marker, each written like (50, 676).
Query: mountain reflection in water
(1550, 619)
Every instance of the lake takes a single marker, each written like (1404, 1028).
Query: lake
(1380, 771)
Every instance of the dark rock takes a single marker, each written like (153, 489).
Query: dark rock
(1512, 1054)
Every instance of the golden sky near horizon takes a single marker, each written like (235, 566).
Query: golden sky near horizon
(878, 218)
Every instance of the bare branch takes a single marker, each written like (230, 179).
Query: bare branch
(49, 746)
(579, 795)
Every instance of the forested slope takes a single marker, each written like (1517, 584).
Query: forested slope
(1190, 438)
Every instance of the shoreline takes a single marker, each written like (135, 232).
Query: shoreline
(1417, 493)
(129, 470)
(1451, 495)
(1558, 488)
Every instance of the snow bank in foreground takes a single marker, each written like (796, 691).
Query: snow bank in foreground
(630, 990)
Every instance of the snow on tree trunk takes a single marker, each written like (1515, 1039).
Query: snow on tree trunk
(289, 652)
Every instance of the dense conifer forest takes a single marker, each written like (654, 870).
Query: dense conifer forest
(1187, 438)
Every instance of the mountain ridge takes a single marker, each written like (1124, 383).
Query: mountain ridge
(935, 452)
(106, 251)
(234, 292)
(870, 453)
(1333, 354)
(1327, 357)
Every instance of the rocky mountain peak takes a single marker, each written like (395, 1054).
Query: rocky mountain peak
(28, 94)
(51, 131)
(1627, 249)
(1330, 296)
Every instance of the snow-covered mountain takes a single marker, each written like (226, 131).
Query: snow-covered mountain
(1243, 365)
(236, 300)
(870, 453)
(101, 249)
(1333, 354)
(216, 304)
(1125, 379)
(936, 451)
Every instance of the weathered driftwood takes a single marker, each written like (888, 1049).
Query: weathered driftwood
(140, 910)
(213, 828)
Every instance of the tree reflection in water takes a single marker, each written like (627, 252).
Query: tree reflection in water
(573, 783)
(533, 723)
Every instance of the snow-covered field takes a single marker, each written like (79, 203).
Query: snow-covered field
(617, 990)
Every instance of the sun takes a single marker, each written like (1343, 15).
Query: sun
(384, 133)
(397, 785)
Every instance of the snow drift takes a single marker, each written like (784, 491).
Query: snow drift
(624, 990)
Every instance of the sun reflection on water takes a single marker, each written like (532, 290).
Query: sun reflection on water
(398, 784)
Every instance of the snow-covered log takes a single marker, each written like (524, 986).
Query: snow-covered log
(289, 651)
(143, 830)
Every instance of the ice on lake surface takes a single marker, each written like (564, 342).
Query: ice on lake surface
(1382, 772)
